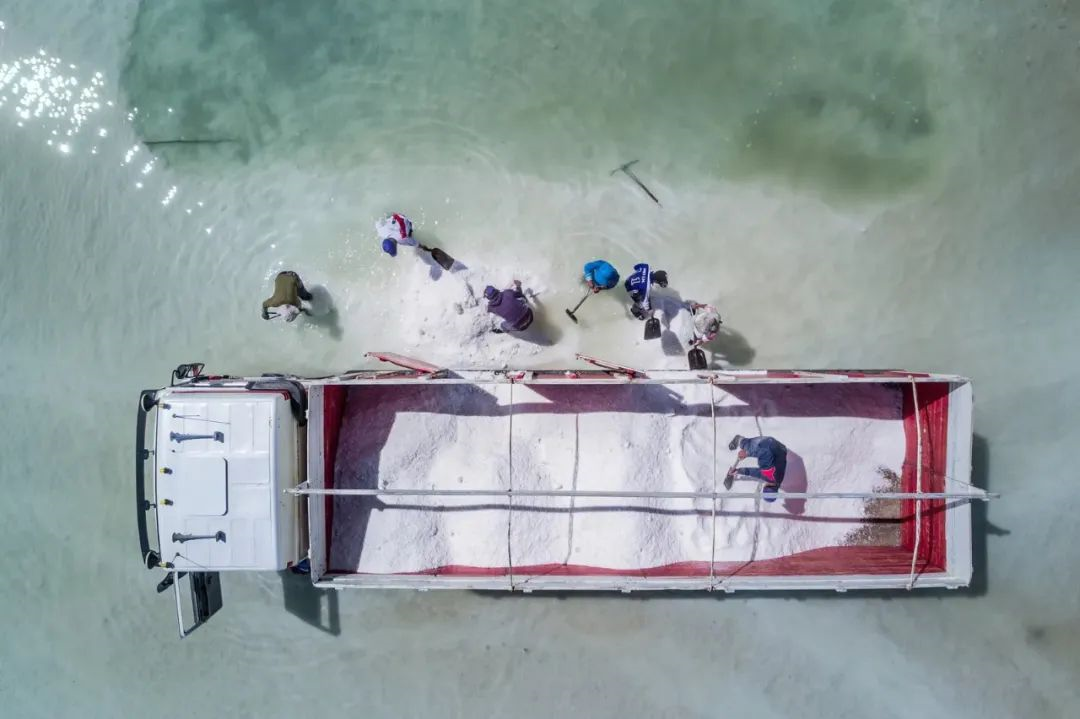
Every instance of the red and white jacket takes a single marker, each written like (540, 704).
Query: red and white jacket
(396, 227)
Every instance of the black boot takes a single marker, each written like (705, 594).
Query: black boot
(734, 443)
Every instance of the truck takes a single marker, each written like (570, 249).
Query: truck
(596, 478)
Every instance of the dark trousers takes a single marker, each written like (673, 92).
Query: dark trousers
(778, 474)
(522, 324)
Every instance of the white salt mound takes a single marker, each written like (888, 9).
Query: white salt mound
(443, 314)
(640, 437)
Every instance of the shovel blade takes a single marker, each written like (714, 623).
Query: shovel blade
(697, 360)
(571, 316)
(445, 261)
(652, 328)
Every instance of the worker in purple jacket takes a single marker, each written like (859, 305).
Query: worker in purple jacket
(511, 305)
(771, 457)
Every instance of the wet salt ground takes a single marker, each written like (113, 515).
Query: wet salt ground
(953, 249)
(837, 95)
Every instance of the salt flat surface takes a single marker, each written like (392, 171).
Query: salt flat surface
(652, 438)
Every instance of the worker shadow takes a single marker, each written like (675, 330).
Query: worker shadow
(436, 270)
(670, 344)
(794, 481)
(315, 607)
(668, 304)
(640, 399)
(324, 313)
(806, 400)
(729, 347)
(732, 346)
(542, 332)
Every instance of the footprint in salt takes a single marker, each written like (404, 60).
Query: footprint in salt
(739, 530)
(695, 460)
(744, 533)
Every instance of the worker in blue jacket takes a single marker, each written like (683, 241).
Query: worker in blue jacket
(638, 285)
(771, 458)
(600, 275)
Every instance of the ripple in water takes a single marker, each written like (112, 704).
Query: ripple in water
(828, 93)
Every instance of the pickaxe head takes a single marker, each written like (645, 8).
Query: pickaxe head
(624, 168)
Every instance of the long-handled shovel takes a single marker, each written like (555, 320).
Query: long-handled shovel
(570, 313)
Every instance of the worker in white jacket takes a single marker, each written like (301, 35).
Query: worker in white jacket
(394, 230)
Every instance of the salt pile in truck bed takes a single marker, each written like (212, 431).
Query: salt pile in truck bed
(651, 437)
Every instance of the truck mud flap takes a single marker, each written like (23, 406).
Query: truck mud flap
(205, 595)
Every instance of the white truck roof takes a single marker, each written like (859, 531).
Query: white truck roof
(223, 459)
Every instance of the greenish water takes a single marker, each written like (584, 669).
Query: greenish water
(853, 183)
(829, 93)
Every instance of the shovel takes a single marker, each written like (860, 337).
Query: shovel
(630, 173)
(652, 328)
(181, 141)
(729, 476)
(570, 313)
(445, 261)
(696, 358)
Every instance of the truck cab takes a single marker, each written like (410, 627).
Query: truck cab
(214, 458)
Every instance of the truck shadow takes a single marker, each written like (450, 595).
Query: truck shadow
(315, 607)
(981, 526)
(520, 507)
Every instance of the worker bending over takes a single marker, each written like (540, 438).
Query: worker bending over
(706, 323)
(771, 458)
(600, 275)
(394, 230)
(288, 297)
(639, 284)
(511, 305)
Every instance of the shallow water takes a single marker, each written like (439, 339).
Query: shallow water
(898, 190)
(709, 87)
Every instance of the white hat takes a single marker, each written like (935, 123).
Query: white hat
(707, 321)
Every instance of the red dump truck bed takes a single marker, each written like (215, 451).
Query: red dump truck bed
(606, 480)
